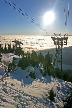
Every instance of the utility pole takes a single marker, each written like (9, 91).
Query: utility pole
(59, 41)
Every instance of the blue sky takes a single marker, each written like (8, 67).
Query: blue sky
(13, 23)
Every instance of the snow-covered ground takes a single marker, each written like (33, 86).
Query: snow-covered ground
(29, 93)
(8, 58)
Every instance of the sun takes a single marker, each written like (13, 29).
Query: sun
(49, 17)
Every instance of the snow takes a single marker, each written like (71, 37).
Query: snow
(8, 58)
(33, 94)
(28, 92)
(2, 71)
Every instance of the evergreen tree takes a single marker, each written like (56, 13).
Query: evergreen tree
(69, 79)
(48, 59)
(65, 76)
(68, 101)
(48, 64)
(9, 48)
(5, 49)
(0, 52)
(57, 73)
(13, 48)
(26, 61)
(51, 95)
(18, 51)
(11, 67)
(32, 75)
(34, 58)
(23, 63)
(41, 58)
(28, 58)
(0, 48)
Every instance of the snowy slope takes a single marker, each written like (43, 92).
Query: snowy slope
(29, 93)
(33, 93)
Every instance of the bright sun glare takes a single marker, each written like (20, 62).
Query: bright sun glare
(48, 18)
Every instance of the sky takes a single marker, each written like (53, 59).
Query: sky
(12, 22)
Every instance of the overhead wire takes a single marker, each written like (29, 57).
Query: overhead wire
(24, 14)
(66, 12)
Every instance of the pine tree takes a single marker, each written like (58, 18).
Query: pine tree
(48, 59)
(41, 57)
(68, 101)
(11, 67)
(34, 58)
(9, 48)
(51, 95)
(5, 49)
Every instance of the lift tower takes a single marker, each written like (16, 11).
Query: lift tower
(59, 41)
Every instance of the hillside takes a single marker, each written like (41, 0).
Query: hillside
(29, 93)
(20, 90)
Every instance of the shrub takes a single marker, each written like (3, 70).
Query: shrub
(43, 72)
(11, 67)
(69, 79)
(32, 75)
(57, 73)
(51, 95)
(14, 58)
(68, 101)
(65, 76)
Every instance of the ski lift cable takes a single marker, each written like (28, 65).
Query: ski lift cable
(66, 12)
(64, 9)
(18, 9)
(26, 15)
(15, 7)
